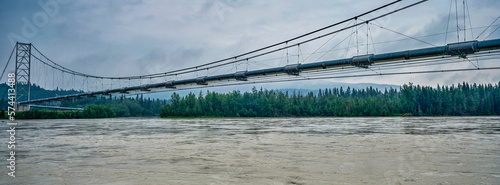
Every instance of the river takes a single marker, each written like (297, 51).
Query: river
(388, 150)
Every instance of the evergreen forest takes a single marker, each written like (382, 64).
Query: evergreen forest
(410, 100)
(460, 100)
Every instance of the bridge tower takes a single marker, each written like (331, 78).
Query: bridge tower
(23, 68)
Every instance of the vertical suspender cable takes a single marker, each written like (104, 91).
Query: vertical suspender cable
(357, 43)
(286, 44)
(298, 53)
(470, 22)
(456, 19)
(463, 3)
(448, 24)
(367, 37)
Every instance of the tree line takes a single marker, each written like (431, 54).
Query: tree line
(95, 107)
(122, 106)
(92, 111)
(461, 100)
(456, 100)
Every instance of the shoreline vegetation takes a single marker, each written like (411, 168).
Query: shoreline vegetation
(92, 111)
(409, 100)
(96, 107)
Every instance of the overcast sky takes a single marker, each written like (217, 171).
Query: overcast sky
(131, 37)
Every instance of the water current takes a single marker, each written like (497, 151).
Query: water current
(392, 150)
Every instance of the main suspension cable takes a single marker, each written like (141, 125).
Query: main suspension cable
(200, 67)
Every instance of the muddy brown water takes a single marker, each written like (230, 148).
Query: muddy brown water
(395, 150)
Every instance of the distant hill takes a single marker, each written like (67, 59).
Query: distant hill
(38, 93)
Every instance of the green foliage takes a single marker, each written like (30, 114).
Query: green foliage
(121, 110)
(122, 106)
(410, 100)
(101, 107)
(98, 111)
(463, 99)
(44, 114)
(3, 114)
(92, 111)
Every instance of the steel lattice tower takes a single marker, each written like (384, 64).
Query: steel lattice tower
(23, 68)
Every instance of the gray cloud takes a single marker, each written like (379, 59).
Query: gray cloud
(136, 37)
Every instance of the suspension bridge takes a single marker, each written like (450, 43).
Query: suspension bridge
(279, 62)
